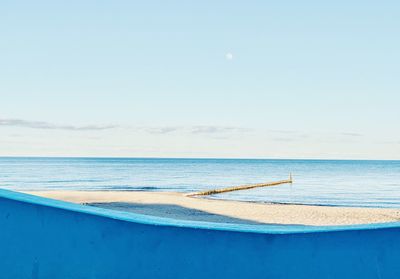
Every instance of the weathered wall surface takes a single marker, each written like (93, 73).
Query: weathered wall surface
(41, 238)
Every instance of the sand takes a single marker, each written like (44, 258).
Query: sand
(179, 206)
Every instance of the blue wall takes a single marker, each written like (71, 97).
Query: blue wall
(43, 238)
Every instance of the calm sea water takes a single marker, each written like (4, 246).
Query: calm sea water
(323, 182)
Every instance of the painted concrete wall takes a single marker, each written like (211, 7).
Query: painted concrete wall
(42, 238)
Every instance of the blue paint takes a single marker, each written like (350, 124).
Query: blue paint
(44, 238)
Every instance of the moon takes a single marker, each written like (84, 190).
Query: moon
(229, 56)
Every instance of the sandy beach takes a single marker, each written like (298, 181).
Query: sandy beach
(179, 206)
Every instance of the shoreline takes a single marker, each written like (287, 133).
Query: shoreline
(210, 197)
(179, 206)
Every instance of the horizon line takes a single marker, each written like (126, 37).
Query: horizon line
(189, 158)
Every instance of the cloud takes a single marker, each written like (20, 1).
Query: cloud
(216, 129)
(395, 142)
(348, 134)
(194, 130)
(160, 130)
(293, 136)
(287, 135)
(229, 56)
(51, 126)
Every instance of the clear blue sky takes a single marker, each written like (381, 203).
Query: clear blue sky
(262, 79)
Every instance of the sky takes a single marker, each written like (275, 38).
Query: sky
(200, 79)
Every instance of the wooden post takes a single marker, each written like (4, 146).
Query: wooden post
(242, 187)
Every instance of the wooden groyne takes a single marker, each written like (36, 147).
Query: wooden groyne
(241, 187)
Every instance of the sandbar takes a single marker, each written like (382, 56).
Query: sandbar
(179, 206)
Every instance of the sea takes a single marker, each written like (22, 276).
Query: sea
(317, 182)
